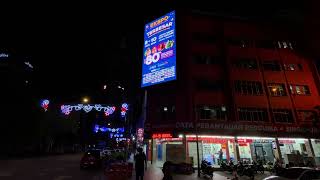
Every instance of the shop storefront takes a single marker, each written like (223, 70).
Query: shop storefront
(215, 149)
(256, 149)
(296, 151)
(316, 149)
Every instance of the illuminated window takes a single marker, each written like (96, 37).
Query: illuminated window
(277, 89)
(282, 115)
(245, 63)
(212, 112)
(271, 65)
(242, 43)
(253, 114)
(292, 67)
(167, 113)
(285, 45)
(248, 87)
(299, 89)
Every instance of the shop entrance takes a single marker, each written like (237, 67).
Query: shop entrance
(260, 153)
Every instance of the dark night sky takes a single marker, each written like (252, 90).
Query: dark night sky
(75, 47)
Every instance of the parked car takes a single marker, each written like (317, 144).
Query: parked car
(298, 173)
(91, 159)
(107, 151)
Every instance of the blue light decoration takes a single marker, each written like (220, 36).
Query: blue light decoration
(124, 109)
(102, 129)
(159, 58)
(45, 104)
(67, 109)
(106, 129)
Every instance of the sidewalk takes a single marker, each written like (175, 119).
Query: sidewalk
(155, 173)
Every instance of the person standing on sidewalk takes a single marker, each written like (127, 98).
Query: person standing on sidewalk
(140, 164)
(167, 171)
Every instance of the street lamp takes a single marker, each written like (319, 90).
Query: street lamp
(85, 100)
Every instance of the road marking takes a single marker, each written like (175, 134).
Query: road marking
(62, 177)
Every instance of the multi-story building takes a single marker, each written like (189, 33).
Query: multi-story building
(243, 87)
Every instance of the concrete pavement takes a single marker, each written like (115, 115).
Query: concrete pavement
(66, 167)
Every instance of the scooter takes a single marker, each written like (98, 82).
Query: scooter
(206, 169)
(227, 166)
(245, 170)
(258, 167)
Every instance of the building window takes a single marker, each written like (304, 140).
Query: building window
(248, 87)
(245, 63)
(203, 38)
(206, 59)
(207, 85)
(212, 113)
(167, 113)
(285, 45)
(266, 44)
(282, 115)
(253, 114)
(306, 115)
(272, 65)
(240, 43)
(277, 89)
(299, 89)
(292, 67)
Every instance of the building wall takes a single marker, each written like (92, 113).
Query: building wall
(184, 95)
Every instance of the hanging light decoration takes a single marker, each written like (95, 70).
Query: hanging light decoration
(45, 104)
(124, 109)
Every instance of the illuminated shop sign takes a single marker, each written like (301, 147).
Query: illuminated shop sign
(159, 52)
(161, 135)
(140, 133)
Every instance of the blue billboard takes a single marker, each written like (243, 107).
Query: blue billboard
(159, 51)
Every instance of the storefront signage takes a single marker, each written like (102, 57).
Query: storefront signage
(154, 136)
(245, 141)
(210, 140)
(140, 133)
(246, 127)
(159, 52)
(286, 141)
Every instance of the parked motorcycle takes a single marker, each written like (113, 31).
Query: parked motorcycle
(206, 169)
(245, 170)
(228, 166)
(258, 167)
(270, 167)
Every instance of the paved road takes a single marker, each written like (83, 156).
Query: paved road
(66, 167)
(63, 167)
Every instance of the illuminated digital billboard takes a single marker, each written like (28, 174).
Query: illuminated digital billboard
(159, 52)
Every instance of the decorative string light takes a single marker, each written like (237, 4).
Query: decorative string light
(124, 109)
(45, 104)
(67, 109)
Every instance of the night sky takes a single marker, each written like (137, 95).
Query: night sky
(76, 48)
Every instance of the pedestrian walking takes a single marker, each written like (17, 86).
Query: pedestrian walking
(166, 169)
(140, 164)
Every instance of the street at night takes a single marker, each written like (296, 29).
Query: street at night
(47, 168)
(160, 90)
(66, 167)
